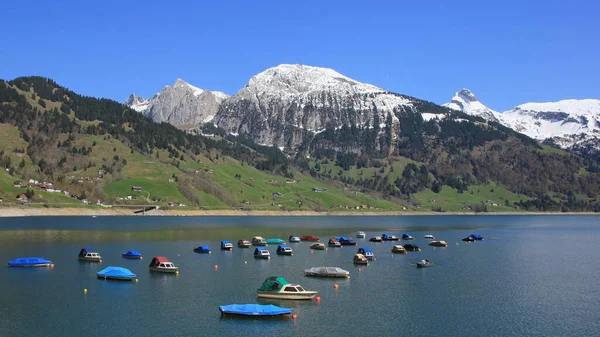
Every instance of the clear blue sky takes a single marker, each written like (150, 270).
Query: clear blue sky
(507, 52)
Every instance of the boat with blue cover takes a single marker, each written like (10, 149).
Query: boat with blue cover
(284, 250)
(367, 252)
(469, 238)
(261, 253)
(254, 310)
(387, 237)
(226, 245)
(477, 237)
(116, 273)
(344, 241)
(89, 255)
(407, 236)
(132, 254)
(202, 249)
(30, 262)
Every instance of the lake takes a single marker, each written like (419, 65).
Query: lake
(531, 276)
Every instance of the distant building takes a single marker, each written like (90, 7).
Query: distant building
(132, 197)
(316, 189)
(18, 184)
(276, 194)
(136, 188)
(290, 181)
(22, 197)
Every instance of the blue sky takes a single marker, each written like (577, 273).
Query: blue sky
(506, 52)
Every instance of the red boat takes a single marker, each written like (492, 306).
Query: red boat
(309, 238)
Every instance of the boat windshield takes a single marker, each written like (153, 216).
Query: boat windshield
(300, 288)
(291, 289)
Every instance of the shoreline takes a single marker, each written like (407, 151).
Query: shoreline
(6, 212)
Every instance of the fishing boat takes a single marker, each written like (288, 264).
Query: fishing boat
(318, 246)
(30, 262)
(261, 253)
(468, 239)
(367, 252)
(293, 239)
(344, 241)
(360, 259)
(244, 243)
(259, 241)
(254, 310)
(88, 255)
(276, 287)
(407, 236)
(477, 237)
(424, 263)
(334, 243)
(361, 235)
(309, 238)
(161, 264)
(429, 236)
(387, 237)
(334, 272)
(132, 255)
(412, 248)
(284, 250)
(275, 241)
(376, 239)
(226, 245)
(116, 273)
(202, 249)
(440, 243)
(398, 249)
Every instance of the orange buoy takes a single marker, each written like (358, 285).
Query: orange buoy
(85, 290)
(52, 265)
(358, 269)
(374, 259)
(294, 316)
(216, 266)
(336, 286)
(318, 299)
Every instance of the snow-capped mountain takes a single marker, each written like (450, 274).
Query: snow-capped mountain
(284, 104)
(180, 104)
(465, 101)
(568, 123)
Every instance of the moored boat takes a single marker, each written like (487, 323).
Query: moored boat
(327, 272)
(361, 235)
(132, 255)
(429, 236)
(254, 310)
(259, 241)
(440, 243)
(275, 241)
(161, 264)
(261, 253)
(398, 249)
(30, 262)
(318, 246)
(424, 263)
(116, 273)
(412, 248)
(387, 237)
(293, 239)
(202, 249)
(284, 250)
(226, 245)
(468, 239)
(376, 239)
(278, 288)
(367, 252)
(242, 243)
(360, 259)
(344, 241)
(477, 237)
(309, 238)
(334, 243)
(407, 236)
(88, 255)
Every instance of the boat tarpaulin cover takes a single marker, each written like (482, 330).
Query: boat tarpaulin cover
(84, 251)
(132, 253)
(364, 250)
(116, 272)
(254, 309)
(477, 236)
(273, 283)
(28, 261)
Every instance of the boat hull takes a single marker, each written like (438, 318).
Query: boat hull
(244, 246)
(264, 257)
(89, 259)
(132, 257)
(326, 275)
(114, 278)
(361, 262)
(423, 265)
(37, 265)
(164, 270)
(307, 295)
(398, 251)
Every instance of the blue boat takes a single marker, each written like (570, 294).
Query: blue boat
(254, 310)
(284, 250)
(226, 245)
(132, 254)
(477, 236)
(202, 249)
(344, 241)
(387, 237)
(27, 262)
(407, 236)
(116, 273)
(367, 252)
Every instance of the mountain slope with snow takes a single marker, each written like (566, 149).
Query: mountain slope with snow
(465, 101)
(179, 104)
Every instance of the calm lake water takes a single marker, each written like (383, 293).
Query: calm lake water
(531, 276)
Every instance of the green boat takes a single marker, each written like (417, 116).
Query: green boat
(275, 241)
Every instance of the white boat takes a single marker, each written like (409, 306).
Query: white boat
(424, 263)
(259, 241)
(399, 249)
(327, 272)
(318, 246)
(440, 243)
(293, 238)
(334, 243)
(161, 264)
(261, 253)
(361, 235)
(367, 252)
(429, 236)
(278, 288)
(360, 259)
(88, 255)
(243, 243)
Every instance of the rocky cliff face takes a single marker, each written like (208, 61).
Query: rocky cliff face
(180, 104)
(285, 104)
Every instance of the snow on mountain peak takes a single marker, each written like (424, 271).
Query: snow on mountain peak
(137, 103)
(464, 100)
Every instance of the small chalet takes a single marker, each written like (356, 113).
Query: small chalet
(290, 181)
(132, 197)
(136, 188)
(18, 184)
(22, 197)
(276, 194)
(316, 189)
